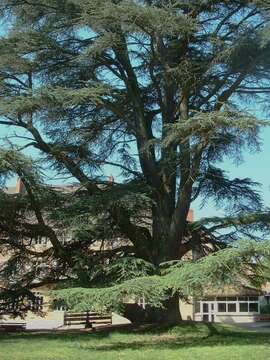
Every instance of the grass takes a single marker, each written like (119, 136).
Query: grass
(184, 342)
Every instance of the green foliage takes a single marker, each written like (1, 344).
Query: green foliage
(234, 266)
(265, 309)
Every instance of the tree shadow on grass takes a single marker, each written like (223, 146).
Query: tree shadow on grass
(54, 335)
(152, 336)
(165, 341)
(175, 344)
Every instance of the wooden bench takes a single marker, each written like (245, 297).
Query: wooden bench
(12, 326)
(88, 319)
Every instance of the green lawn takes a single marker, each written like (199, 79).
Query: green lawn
(185, 342)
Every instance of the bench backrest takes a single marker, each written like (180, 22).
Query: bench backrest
(88, 317)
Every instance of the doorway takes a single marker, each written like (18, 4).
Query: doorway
(208, 311)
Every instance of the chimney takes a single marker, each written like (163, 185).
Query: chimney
(110, 179)
(19, 186)
(190, 216)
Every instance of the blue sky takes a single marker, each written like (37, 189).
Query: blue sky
(255, 166)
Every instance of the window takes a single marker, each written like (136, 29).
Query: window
(205, 307)
(231, 307)
(36, 304)
(249, 304)
(197, 307)
(39, 240)
(7, 308)
(243, 307)
(222, 307)
(253, 307)
(23, 303)
(141, 302)
(59, 305)
(227, 304)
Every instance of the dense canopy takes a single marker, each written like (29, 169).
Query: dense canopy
(157, 92)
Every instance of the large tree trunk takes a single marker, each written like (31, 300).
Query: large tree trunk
(171, 314)
(162, 214)
(160, 233)
(167, 242)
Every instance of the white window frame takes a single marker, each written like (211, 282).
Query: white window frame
(248, 302)
(141, 302)
(40, 240)
(237, 302)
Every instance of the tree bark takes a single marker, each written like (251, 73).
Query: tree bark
(161, 218)
(166, 249)
(172, 314)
